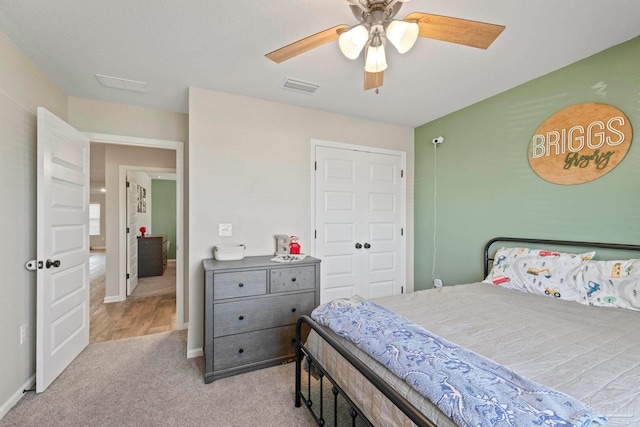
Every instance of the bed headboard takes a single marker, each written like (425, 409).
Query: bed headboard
(614, 246)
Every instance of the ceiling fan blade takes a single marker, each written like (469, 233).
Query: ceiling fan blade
(373, 80)
(456, 30)
(306, 44)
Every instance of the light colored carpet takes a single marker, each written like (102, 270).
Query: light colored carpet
(147, 381)
(157, 285)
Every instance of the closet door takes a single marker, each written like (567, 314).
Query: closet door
(359, 213)
(381, 218)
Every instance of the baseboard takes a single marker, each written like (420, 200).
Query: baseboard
(171, 261)
(195, 352)
(10, 403)
(98, 248)
(116, 298)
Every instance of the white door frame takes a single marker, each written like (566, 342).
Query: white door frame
(178, 146)
(403, 214)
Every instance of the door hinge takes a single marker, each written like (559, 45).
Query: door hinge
(401, 173)
(315, 166)
(128, 231)
(128, 185)
(315, 234)
(402, 289)
(402, 231)
(127, 276)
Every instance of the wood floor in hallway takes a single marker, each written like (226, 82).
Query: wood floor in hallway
(132, 317)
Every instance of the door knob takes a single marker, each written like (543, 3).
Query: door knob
(55, 263)
(367, 246)
(358, 246)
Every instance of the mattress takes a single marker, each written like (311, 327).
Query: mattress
(590, 353)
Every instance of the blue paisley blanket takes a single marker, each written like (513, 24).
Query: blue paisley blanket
(469, 388)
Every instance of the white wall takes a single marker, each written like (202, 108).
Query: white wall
(249, 165)
(88, 115)
(23, 87)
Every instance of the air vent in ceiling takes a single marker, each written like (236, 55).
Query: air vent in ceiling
(120, 83)
(299, 86)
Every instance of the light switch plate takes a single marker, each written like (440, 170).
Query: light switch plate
(225, 230)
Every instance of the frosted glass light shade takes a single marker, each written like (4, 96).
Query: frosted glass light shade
(351, 42)
(402, 35)
(376, 59)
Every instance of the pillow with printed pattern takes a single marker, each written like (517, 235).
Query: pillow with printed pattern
(541, 272)
(613, 283)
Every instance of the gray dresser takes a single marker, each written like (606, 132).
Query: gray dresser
(251, 307)
(152, 255)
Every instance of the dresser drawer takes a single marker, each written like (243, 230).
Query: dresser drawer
(292, 279)
(261, 313)
(239, 284)
(251, 347)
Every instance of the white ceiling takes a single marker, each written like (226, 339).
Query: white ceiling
(220, 45)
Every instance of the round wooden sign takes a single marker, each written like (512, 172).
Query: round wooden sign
(580, 143)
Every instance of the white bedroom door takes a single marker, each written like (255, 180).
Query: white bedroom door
(62, 307)
(132, 233)
(359, 215)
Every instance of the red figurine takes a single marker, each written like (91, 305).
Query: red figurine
(143, 230)
(294, 246)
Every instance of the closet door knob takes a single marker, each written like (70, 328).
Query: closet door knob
(358, 246)
(240, 285)
(293, 310)
(367, 246)
(241, 350)
(293, 279)
(241, 317)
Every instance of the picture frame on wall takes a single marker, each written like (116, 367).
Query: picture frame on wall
(142, 198)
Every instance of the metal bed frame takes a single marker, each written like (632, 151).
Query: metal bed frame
(356, 416)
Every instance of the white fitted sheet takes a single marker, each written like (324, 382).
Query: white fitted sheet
(590, 353)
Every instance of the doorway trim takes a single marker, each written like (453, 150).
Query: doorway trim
(178, 146)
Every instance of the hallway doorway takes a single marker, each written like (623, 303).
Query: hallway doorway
(115, 242)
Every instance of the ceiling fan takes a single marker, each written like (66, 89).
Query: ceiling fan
(377, 26)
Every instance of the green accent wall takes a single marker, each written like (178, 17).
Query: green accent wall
(485, 187)
(163, 211)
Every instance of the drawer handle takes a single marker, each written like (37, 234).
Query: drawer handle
(240, 285)
(293, 310)
(293, 279)
(241, 317)
(241, 350)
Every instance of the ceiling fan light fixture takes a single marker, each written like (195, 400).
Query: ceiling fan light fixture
(376, 59)
(402, 35)
(351, 42)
